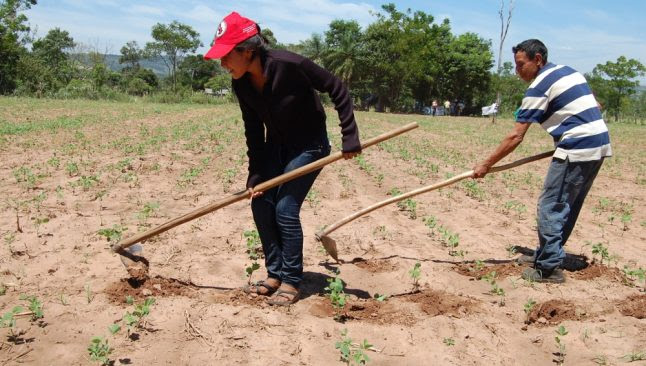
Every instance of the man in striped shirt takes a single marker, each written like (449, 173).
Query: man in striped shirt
(560, 99)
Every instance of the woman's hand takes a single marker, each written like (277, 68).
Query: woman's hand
(350, 155)
(253, 194)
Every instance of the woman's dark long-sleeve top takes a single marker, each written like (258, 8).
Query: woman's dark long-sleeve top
(290, 109)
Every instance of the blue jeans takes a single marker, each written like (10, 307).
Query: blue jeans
(566, 186)
(277, 211)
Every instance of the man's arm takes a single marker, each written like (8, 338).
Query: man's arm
(507, 145)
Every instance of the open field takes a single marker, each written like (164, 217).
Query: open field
(73, 173)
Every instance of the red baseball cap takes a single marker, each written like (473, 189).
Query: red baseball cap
(232, 30)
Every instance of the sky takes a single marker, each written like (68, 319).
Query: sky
(578, 33)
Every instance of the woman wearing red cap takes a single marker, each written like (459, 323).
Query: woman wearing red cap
(285, 129)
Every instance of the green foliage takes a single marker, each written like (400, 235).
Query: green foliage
(8, 320)
(35, 306)
(350, 352)
(134, 319)
(99, 350)
(614, 82)
(449, 341)
(602, 251)
(415, 273)
(635, 356)
(490, 278)
(337, 297)
(113, 234)
(148, 210)
(171, 43)
(561, 331)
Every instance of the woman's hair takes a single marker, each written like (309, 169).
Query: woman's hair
(256, 43)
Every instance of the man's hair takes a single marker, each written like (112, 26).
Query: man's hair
(531, 47)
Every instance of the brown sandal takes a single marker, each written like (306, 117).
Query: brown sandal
(254, 288)
(273, 300)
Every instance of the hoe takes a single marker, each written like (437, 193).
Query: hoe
(137, 265)
(330, 245)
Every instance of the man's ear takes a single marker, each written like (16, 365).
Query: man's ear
(538, 58)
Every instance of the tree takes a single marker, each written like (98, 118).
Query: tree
(313, 48)
(131, 54)
(343, 49)
(504, 27)
(172, 42)
(195, 71)
(14, 34)
(56, 70)
(619, 84)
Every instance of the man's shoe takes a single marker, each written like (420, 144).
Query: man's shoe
(537, 275)
(525, 259)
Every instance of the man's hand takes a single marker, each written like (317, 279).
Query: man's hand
(350, 155)
(480, 170)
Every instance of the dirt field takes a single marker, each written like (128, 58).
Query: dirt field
(73, 173)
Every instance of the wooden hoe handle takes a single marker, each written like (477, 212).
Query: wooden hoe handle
(431, 187)
(125, 243)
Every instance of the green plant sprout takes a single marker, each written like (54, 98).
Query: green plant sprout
(380, 297)
(99, 350)
(352, 353)
(511, 250)
(337, 297)
(635, 274)
(72, 169)
(136, 318)
(490, 278)
(528, 307)
(561, 331)
(253, 245)
(8, 320)
(114, 234)
(415, 273)
(35, 306)
(148, 210)
(449, 341)
(602, 251)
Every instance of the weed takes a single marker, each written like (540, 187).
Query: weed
(313, 199)
(415, 273)
(114, 328)
(635, 274)
(474, 190)
(449, 341)
(99, 350)
(409, 206)
(352, 353)
(129, 300)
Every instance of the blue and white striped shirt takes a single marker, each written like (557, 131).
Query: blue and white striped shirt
(562, 102)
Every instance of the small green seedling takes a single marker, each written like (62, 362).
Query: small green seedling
(561, 331)
(134, 319)
(352, 353)
(99, 350)
(602, 251)
(415, 273)
(8, 320)
(449, 341)
(337, 297)
(114, 328)
(114, 234)
(528, 307)
(35, 306)
(253, 245)
(495, 289)
(380, 297)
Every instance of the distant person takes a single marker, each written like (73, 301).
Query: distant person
(434, 107)
(460, 107)
(560, 99)
(285, 129)
(447, 107)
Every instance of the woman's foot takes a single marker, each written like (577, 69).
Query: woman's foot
(263, 287)
(284, 296)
